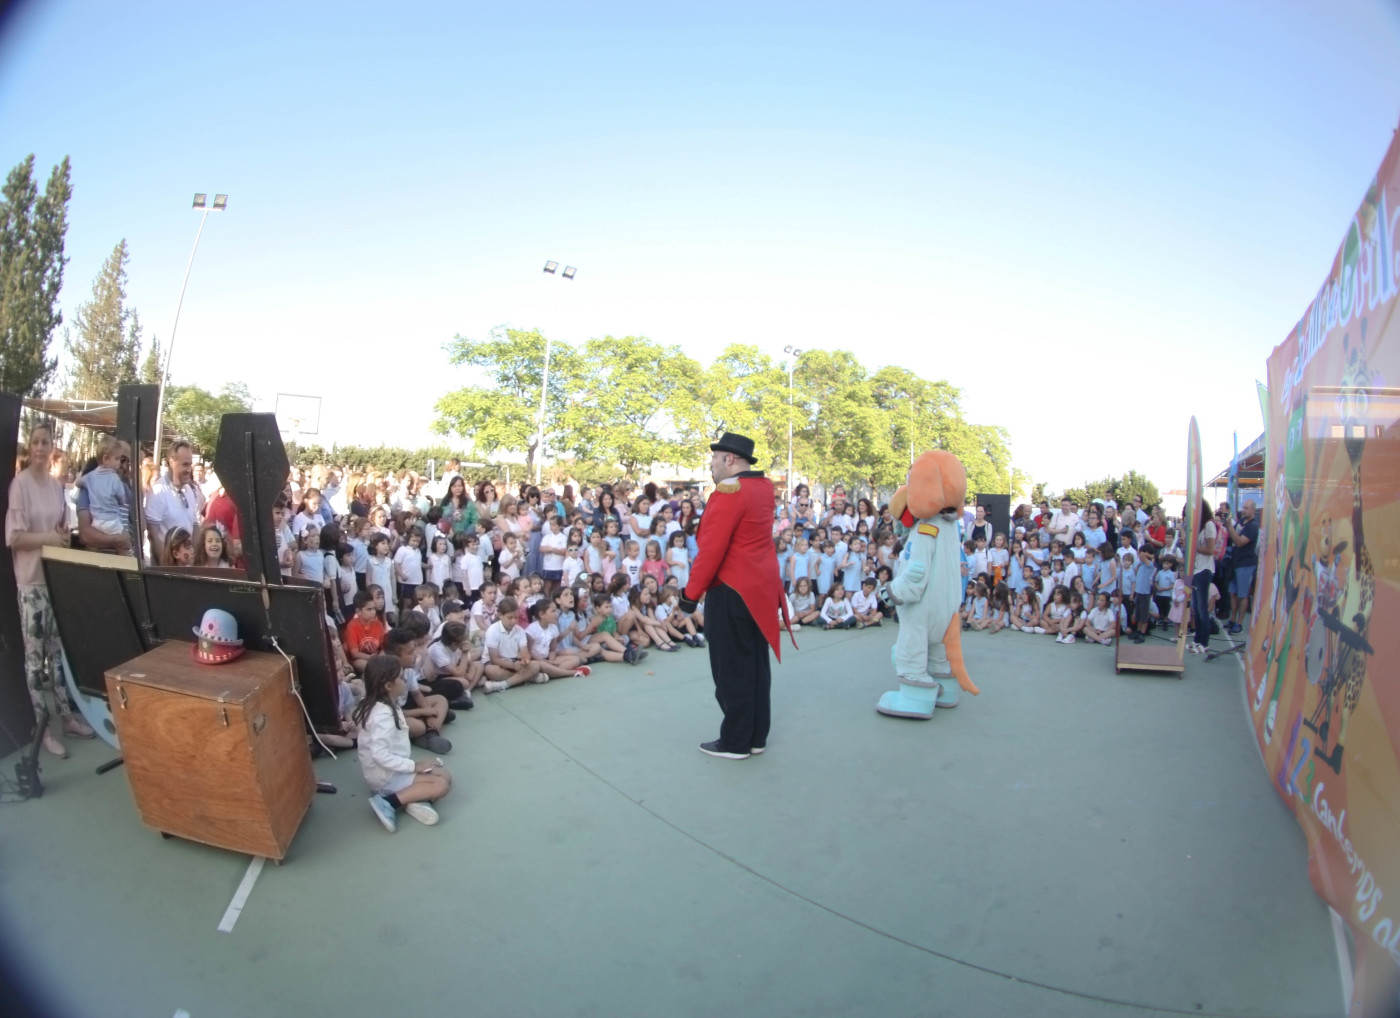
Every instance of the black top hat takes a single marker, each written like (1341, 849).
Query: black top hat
(739, 445)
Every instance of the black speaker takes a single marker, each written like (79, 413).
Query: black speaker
(16, 709)
(999, 512)
(251, 462)
(137, 406)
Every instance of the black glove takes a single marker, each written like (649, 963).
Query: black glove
(687, 606)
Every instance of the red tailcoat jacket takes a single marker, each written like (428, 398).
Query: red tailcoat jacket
(736, 549)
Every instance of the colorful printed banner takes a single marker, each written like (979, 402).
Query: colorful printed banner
(1325, 642)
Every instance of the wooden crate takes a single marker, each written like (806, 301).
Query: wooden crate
(214, 753)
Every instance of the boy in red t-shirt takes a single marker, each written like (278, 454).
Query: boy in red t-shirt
(364, 634)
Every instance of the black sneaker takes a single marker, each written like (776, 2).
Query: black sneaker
(450, 716)
(464, 702)
(713, 749)
(629, 655)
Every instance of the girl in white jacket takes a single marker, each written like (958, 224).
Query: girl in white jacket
(396, 780)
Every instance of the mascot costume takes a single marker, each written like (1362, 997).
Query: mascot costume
(928, 652)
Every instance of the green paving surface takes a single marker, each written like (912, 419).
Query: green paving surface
(1071, 842)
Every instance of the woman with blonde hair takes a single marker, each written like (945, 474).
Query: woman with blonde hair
(37, 519)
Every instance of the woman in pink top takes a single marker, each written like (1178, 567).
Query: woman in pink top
(37, 518)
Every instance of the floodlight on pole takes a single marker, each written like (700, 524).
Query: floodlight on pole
(569, 272)
(200, 199)
(793, 353)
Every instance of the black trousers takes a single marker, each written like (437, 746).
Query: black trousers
(739, 664)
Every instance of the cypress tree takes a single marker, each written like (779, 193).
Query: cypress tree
(32, 231)
(107, 344)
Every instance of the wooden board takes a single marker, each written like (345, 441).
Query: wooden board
(214, 753)
(1148, 657)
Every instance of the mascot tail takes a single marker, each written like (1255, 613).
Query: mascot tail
(952, 644)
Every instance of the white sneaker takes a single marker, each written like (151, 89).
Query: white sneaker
(540, 679)
(1069, 638)
(421, 812)
(1060, 638)
(492, 686)
(796, 627)
(1038, 630)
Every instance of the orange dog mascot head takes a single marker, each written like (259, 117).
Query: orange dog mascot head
(937, 484)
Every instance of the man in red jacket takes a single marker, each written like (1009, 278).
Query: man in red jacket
(736, 572)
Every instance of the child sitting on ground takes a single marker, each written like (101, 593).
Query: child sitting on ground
(602, 626)
(978, 609)
(426, 712)
(1101, 626)
(592, 647)
(545, 639)
(836, 610)
(1026, 614)
(804, 603)
(508, 660)
(1000, 613)
(865, 605)
(450, 654)
(1074, 622)
(395, 779)
(678, 625)
(365, 632)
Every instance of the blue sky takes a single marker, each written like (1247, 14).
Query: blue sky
(1097, 219)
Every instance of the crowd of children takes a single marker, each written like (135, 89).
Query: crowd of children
(438, 600)
(1098, 584)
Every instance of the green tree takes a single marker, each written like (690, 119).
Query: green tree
(32, 231)
(504, 414)
(841, 436)
(107, 344)
(195, 413)
(745, 392)
(635, 402)
(1130, 484)
(918, 415)
(152, 365)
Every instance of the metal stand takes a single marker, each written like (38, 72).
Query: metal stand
(27, 770)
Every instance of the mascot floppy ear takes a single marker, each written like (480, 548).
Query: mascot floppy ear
(937, 482)
(899, 509)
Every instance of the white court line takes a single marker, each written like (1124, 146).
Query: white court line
(182, 1013)
(240, 897)
(1339, 931)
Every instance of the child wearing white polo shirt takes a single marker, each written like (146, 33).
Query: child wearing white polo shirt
(507, 651)
(865, 605)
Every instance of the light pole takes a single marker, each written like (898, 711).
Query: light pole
(793, 353)
(569, 271)
(202, 204)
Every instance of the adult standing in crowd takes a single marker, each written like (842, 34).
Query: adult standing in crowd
(1244, 540)
(1203, 576)
(1065, 523)
(607, 509)
(458, 507)
(175, 500)
(736, 572)
(1094, 533)
(1138, 510)
(38, 518)
(980, 525)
